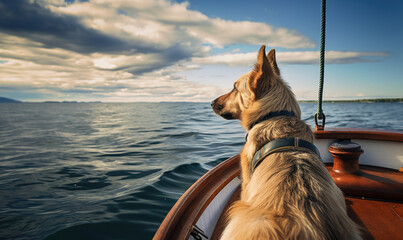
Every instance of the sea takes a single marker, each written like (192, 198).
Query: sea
(114, 170)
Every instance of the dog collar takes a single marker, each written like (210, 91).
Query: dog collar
(281, 145)
(273, 114)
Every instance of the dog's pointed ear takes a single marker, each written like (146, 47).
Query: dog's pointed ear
(259, 78)
(271, 56)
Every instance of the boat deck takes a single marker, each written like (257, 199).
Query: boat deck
(379, 218)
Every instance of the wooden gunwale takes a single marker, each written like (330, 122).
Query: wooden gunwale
(355, 133)
(184, 214)
(187, 210)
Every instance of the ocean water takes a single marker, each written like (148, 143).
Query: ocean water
(113, 170)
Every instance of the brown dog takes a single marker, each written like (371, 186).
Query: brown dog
(287, 193)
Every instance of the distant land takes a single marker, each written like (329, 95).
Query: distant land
(71, 102)
(8, 100)
(371, 100)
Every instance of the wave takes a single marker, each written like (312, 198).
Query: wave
(94, 171)
(138, 214)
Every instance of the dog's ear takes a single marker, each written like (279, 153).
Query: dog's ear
(271, 56)
(259, 81)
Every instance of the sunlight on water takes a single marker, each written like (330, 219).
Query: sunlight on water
(108, 171)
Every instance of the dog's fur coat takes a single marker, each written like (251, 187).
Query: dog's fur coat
(290, 195)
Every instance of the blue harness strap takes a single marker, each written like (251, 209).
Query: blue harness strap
(279, 145)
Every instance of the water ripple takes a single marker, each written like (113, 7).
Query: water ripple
(113, 171)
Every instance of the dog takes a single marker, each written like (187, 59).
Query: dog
(287, 193)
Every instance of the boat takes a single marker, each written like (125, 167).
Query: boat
(366, 164)
(372, 184)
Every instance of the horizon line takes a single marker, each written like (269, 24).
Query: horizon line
(392, 99)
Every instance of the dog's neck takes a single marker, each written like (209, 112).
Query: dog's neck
(268, 116)
(282, 113)
(278, 99)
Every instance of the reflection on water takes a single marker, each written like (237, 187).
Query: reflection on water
(113, 171)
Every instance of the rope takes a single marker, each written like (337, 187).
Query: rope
(319, 114)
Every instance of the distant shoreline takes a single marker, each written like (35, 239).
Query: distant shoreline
(371, 100)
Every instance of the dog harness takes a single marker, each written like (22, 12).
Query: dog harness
(281, 145)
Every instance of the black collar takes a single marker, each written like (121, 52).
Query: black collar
(281, 145)
(273, 114)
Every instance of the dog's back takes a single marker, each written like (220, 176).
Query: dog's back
(291, 195)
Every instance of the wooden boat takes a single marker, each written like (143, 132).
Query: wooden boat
(372, 183)
(373, 189)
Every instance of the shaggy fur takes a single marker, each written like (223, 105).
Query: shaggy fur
(290, 195)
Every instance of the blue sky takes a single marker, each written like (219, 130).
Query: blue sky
(160, 50)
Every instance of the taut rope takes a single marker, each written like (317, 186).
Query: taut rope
(319, 114)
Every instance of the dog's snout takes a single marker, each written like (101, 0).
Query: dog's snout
(216, 106)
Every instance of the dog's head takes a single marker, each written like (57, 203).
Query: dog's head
(250, 87)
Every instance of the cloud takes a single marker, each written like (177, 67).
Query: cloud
(219, 32)
(130, 50)
(332, 57)
(231, 59)
(65, 75)
(32, 21)
(108, 26)
(100, 30)
(158, 20)
(300, 57)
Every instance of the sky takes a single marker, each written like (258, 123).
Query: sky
(161, 50)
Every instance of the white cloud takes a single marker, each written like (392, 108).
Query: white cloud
(300, 57)
(231, 59)
(332, 57)
(65, 75)
(163, 22)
